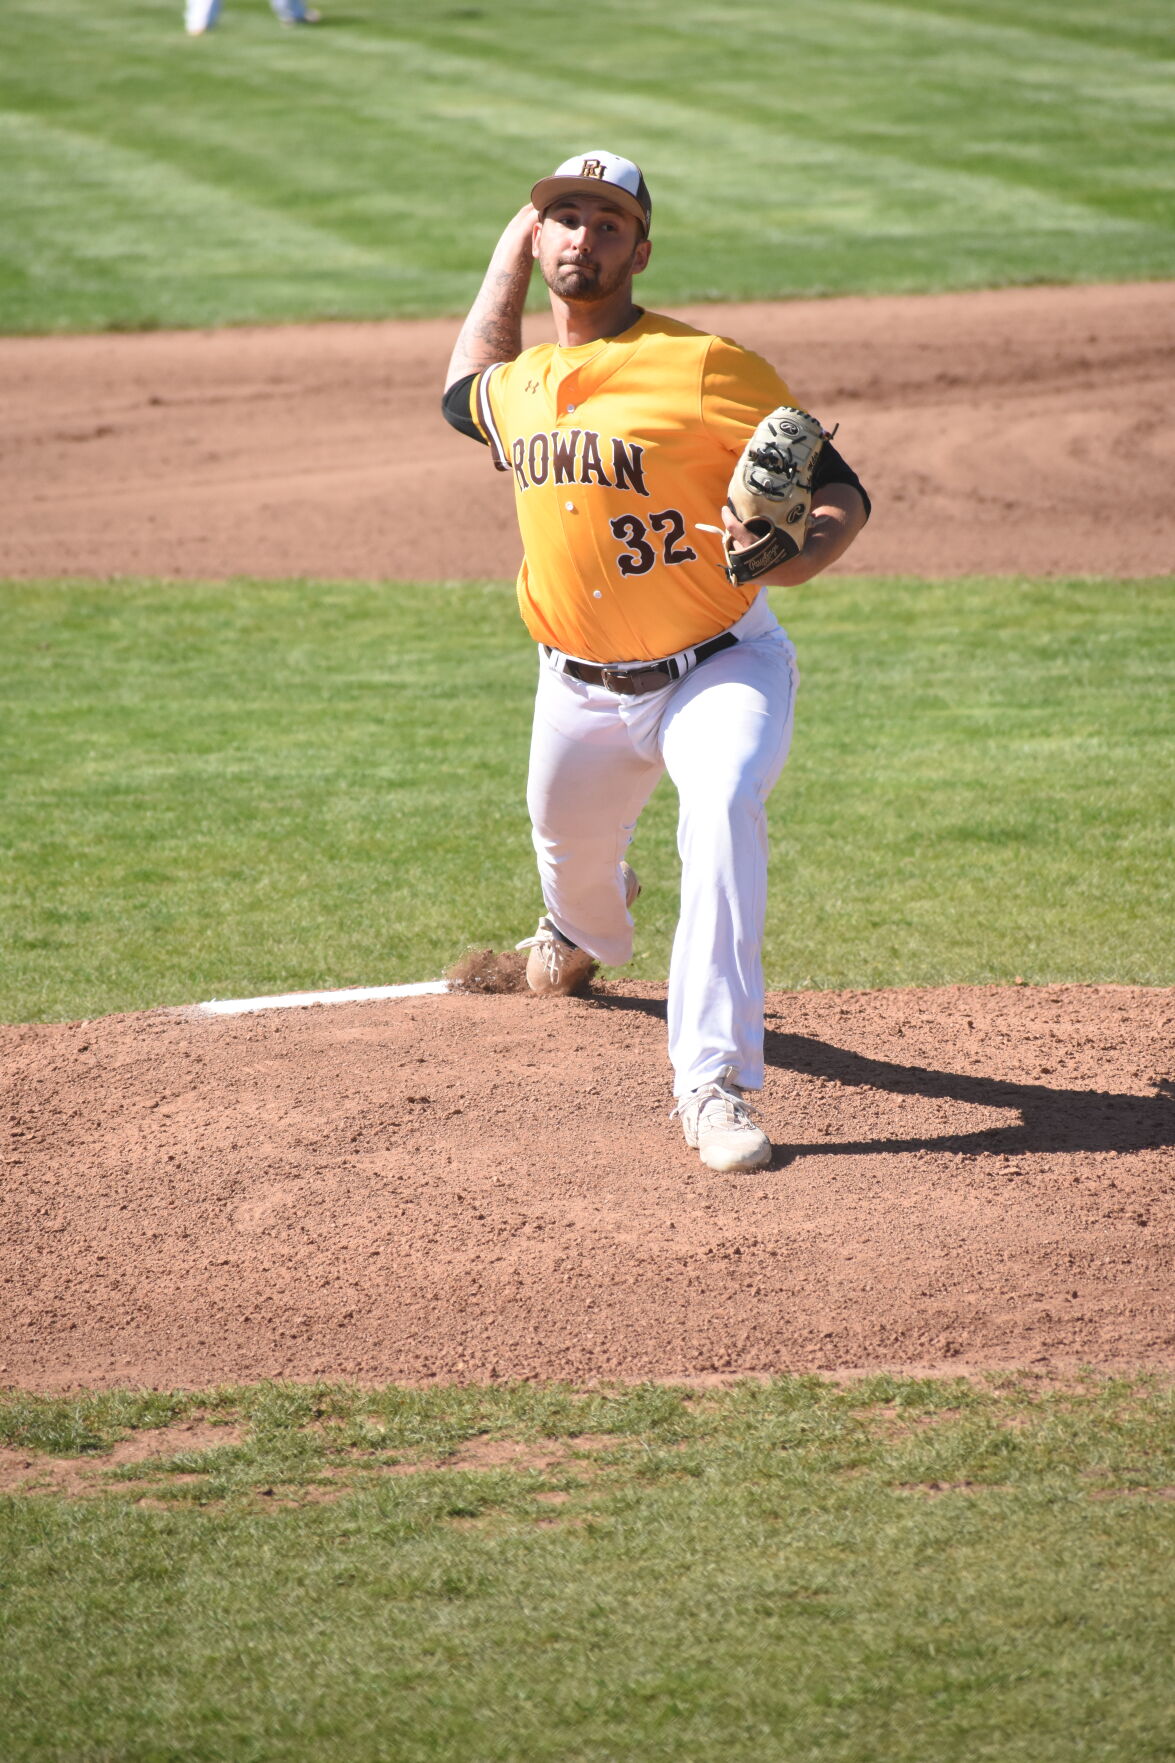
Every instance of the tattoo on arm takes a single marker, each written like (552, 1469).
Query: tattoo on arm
(493, 330)
(498, 327)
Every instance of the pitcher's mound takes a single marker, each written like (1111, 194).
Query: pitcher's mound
(469, 1187)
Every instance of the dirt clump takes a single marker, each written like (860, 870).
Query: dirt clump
(491, 971)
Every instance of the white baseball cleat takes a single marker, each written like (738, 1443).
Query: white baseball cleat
(556, 967)
(718, 1126)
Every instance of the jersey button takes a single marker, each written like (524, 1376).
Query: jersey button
(571, 410)
(570, 507)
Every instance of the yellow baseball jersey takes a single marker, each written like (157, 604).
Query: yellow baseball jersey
(617, 449)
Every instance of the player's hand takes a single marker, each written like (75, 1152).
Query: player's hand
(832, 526)
(521, 226)
(740, 536)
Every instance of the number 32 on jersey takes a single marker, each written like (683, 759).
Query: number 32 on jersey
(640, 555)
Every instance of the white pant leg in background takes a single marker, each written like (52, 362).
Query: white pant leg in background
(200, 15)
(723, 732)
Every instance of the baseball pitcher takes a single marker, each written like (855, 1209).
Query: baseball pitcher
(663, 479)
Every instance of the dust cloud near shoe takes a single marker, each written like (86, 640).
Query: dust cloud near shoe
(488, 970)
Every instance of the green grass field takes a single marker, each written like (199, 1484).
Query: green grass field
(364, 168)
(240, 787)
(898, 1572)
(224, 790)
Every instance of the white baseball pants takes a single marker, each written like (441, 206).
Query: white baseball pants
(722, 733)
(201, 15)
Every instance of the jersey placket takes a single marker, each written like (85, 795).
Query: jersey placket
(577, 527)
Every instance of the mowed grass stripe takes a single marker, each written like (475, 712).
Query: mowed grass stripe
(196, 216)
(1141, 26)
(245, 788)
(366, 168)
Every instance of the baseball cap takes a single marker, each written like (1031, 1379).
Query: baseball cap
(593, 174)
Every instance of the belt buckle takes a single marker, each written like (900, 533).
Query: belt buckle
(615, 679)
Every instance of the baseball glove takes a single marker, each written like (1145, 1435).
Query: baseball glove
(771, 491)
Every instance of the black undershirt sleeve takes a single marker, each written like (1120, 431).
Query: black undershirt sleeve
(458, 411)
(830, 467)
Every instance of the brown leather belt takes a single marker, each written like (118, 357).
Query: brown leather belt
(633, 682)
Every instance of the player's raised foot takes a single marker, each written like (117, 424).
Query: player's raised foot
(555, 966)
(718, 1126)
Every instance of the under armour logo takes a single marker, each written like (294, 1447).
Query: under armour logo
(532, 385)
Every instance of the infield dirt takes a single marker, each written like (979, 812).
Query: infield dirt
(1027, 432)
(489, 1187)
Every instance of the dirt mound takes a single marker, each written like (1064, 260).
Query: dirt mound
(977, 421)
(472, 1187)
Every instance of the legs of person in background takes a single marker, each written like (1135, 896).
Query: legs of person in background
(200, 16)
(295, 12)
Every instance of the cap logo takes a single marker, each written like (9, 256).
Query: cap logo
(592, 168)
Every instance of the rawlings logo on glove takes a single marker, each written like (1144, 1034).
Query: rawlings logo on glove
(771, 491)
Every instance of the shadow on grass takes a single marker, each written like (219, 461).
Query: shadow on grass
(1050, 1119)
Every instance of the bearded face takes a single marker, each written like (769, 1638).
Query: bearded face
(588, 250)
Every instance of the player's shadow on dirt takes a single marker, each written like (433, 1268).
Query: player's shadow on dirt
(1048, 1119)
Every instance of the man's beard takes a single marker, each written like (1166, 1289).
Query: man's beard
(585, 283)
